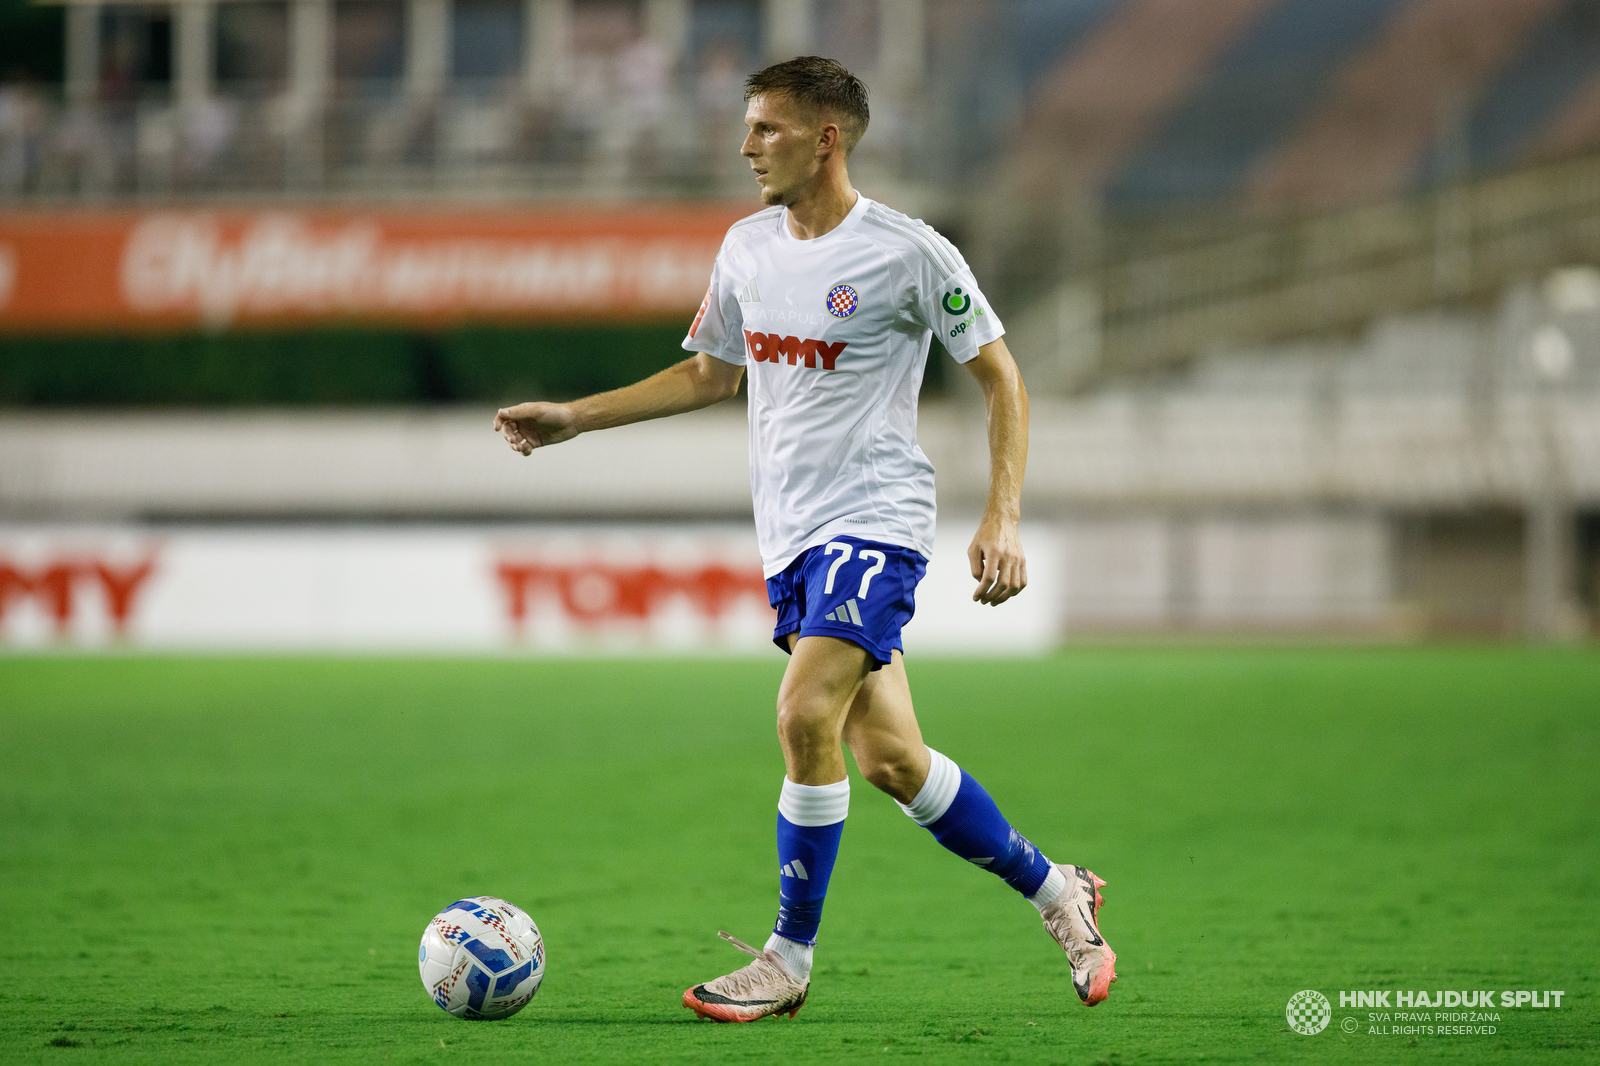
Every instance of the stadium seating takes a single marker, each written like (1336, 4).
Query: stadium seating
(1247, 102)
(1153, 103)
(1392, 99)
(1104, 96)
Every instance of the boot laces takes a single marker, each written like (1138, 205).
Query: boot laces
(760, 975)
(741, 945)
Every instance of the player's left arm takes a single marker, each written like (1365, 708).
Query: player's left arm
(996, 551)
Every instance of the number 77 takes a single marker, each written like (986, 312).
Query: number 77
(844, 552)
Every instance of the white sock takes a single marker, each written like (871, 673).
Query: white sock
(814, 805)
(1055, 883)
(795, 955)
(938, 791)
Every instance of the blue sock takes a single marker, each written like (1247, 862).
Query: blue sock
(810, 824)
(962, 817)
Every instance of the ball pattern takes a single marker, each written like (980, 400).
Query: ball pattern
(481, 959)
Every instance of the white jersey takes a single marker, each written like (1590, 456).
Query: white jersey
(834, 334)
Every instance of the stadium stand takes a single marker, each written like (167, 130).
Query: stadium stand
(1103, 97)
(1525, 98)
(1575, 127)
(1281, 102)
(1248, 101)
(1334, 271)
(1390, 100)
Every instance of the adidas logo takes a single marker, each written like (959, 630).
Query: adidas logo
(750, 294)
(839, 615)
(793, 868)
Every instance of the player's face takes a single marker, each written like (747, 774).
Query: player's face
(782, 147)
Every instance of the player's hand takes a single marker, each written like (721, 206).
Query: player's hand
(527, 426)
(997, 562)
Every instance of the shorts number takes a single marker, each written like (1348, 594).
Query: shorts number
(866, 578)
(844, 552)
(839, 546)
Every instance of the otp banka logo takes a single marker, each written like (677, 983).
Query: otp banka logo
(771, 348)
(959, 303)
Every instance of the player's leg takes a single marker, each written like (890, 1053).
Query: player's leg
(882, 733)
(818, 690)
(819, 687)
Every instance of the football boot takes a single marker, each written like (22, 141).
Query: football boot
(1072, 918)
(765, 987)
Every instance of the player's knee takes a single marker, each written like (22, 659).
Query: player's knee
(803, 722)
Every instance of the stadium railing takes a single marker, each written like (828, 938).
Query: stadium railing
(479, 139)
(1160, 298)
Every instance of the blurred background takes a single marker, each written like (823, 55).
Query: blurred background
(1306, 295)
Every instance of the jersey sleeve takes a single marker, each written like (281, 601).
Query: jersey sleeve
(716, 327)
(946, 299)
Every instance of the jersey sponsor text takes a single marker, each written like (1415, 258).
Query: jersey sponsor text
(771, 348)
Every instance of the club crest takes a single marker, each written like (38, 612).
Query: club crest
(842, 301)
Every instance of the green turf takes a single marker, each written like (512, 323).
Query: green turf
(206, 860)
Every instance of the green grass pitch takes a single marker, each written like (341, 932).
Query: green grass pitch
(225, 860)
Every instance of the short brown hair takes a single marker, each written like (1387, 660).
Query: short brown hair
(821, 85)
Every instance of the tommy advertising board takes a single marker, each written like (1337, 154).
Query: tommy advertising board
(614, 589)
(84, 270)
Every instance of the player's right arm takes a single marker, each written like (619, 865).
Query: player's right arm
(697, 382)
(709, 376)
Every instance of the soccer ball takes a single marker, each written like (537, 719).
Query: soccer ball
(481, 958)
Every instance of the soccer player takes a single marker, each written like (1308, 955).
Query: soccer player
(830, 300)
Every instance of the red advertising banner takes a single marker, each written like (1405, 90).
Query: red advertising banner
(689, 589)
(84, 270)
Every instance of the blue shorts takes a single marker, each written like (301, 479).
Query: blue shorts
(857, 590)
